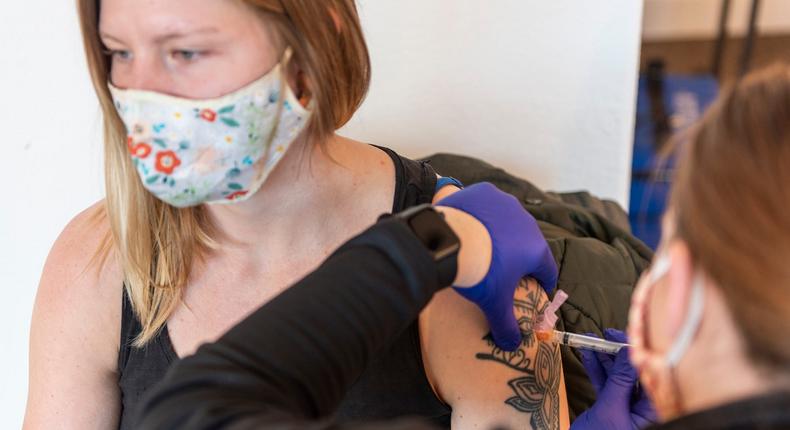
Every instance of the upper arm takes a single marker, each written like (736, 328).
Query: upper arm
(75, 332)
(484, 385)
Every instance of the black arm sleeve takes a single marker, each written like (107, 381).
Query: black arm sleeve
(289, 364)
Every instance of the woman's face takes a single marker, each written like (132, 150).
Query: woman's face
(660, 309)
(187, 48)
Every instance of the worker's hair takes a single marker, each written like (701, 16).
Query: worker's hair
(157, 243)
(731, 203)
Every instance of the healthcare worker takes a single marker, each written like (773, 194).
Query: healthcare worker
(708, 323)
(707, 326)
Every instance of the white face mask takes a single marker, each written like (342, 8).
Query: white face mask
(189, 152)
(657, 370)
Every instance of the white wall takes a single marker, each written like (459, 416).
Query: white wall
(544, 88)
(51, 165)
(699, 19)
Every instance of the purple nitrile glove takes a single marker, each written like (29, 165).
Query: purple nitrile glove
(618, 407)
(518, 251)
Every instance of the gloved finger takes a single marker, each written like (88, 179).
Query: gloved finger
(594, 370)
(585, 421)
(644, 408)
(619, 385)
(615, 335)
(641, 422)
(546, 271)
(643, 412)
(606, 360)
(617, 397)
(621, 371)
(610, 362)
(504, 328)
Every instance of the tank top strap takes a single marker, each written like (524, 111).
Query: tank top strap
(415, 181)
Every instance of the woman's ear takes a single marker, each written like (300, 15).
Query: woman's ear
(300, 83)
(303, 92)
(680, 280)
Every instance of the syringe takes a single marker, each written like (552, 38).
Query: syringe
(580, 341)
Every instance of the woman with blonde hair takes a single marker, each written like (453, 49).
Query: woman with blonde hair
(209, 102)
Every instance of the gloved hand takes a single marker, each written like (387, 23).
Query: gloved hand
(618, 407)
(518, 251)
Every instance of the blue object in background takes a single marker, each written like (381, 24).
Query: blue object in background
(685, 98)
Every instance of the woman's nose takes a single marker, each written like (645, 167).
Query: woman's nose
(145, 73)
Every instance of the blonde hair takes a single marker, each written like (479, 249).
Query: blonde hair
(730, 200)
(157, 243)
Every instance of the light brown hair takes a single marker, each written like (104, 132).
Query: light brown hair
(731, 202)
(157, 243)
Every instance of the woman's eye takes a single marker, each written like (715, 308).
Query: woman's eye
(186, 55)
(119, 54)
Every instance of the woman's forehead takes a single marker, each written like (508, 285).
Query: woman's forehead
(169, 18)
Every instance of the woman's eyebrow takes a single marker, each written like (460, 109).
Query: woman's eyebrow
(167, 36)
(104, 36)
(179, 34)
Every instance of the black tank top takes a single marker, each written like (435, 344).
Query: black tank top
(394, 384)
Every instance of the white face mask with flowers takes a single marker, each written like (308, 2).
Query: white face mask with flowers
(189, 152)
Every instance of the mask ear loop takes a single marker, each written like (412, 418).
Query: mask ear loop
(685, 337)
(659, 269)
(690, 326)
(283, 66)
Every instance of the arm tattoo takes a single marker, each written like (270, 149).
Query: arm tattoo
(537, 390)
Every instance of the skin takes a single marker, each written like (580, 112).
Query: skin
(717, 355)
(201, 49)
(481, 383)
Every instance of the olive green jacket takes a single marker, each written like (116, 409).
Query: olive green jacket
(599, 260)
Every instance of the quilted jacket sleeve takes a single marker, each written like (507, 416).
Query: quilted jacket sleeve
(599, 260)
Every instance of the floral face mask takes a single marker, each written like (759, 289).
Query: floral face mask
(189, 152)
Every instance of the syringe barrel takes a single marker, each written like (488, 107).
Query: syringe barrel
(588, 342)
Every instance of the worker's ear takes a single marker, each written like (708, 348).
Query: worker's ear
(669, 296)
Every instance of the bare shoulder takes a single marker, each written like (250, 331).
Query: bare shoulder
(76, 267)
(367, 161)
(75, 330)
(484, 385)
(366, 176)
